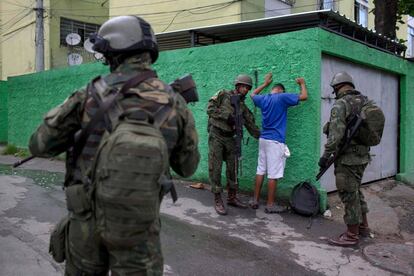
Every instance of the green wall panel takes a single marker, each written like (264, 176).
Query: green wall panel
(215, 67)
(31, 96)
(3, 112)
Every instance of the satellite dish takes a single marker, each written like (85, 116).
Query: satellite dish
(98, 56)
(88, 46)
(73, 39)
(74, 59)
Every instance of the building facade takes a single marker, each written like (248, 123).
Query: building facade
(61, 17)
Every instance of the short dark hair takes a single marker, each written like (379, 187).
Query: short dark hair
(279, 85)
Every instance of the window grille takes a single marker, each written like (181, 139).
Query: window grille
(83, 29)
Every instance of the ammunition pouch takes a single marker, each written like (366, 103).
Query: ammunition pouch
(221, 132)
(57, 245)
(78, 199)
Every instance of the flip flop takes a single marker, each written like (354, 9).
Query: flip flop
(254, 204)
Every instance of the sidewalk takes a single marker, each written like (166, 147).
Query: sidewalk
(197, 241)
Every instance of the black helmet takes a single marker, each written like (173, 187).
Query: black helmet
(125, 34)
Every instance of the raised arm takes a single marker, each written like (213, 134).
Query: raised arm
(267, 81)
(303, 95)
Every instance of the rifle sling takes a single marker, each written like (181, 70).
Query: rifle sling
(104, 107)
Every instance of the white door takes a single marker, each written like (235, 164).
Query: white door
(383, 88)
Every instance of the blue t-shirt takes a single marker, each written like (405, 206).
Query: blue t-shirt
(274, 114)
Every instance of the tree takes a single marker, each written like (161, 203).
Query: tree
(388, 13)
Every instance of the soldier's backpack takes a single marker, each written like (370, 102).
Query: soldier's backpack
(130, 170)
(372, 127)
(373, 121)
(304, 199)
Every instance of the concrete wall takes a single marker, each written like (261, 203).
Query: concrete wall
(32, 95)
(213, 68)
(252, 9)
(17, 49)
(84, 11)
(3, 111)
(167, 16)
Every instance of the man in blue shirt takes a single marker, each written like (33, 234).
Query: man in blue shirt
(272, 149)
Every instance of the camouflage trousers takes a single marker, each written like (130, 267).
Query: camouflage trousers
(87, 255)
(221, 149)
(348, 183)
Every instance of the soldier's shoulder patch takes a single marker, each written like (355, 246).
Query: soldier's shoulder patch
(334, 112)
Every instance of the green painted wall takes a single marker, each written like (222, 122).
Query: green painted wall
(3, 112)
(214, 67)
(31, 96)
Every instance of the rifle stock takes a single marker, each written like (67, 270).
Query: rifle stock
(238, 137)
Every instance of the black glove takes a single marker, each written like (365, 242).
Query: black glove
(231, 121)
(323, 161)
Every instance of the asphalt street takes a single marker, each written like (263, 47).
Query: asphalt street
(196, 241)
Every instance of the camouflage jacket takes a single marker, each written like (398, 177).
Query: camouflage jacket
(56, 134)
(219, 109)
(356, 153)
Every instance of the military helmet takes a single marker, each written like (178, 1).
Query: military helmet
(243, 79)
(125, 34)
(342, 78)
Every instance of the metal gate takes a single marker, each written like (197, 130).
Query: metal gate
(383, 88)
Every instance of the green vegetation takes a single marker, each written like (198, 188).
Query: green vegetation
(11, 149)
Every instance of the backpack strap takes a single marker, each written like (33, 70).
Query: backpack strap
(104, 107)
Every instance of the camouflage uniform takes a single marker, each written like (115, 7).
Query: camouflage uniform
(86, 254)
(221, 138)
(350, 166)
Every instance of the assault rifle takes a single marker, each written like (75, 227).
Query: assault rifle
(238, 136)
(350, 131)
(185, 86)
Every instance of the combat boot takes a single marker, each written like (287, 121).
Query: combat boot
(219, 205)
(349, 238)
(234, 201)
(364, 230)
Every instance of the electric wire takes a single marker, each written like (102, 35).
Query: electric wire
(154, 13)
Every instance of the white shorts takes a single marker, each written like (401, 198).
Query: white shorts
(272, 158)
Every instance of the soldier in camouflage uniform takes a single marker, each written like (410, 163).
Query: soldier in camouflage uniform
(221, 142)
(350, 166)
(129, 46)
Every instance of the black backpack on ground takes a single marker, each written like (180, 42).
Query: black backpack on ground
(305, 199)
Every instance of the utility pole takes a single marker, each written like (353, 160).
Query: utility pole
(39, 40)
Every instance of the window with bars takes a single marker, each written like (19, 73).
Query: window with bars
(83, 29)
(361, 12)
(327, 4)
(410, 41)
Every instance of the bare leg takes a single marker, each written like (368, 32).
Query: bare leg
(271, 192)
(258, 186)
